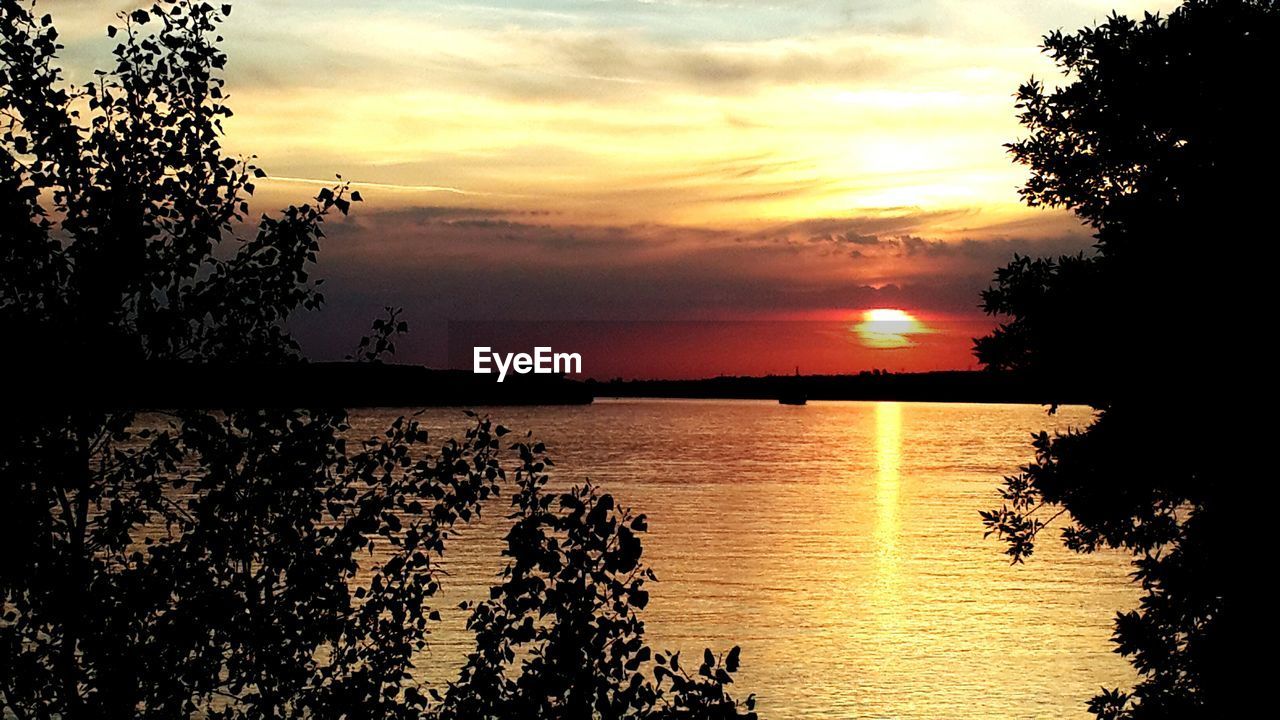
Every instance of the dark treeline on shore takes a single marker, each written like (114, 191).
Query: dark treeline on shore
(352, 384)
(325, 384)
(968, 386)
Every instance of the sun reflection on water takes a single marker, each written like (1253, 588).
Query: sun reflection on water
(888, 480)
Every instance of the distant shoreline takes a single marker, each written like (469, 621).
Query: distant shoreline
(365, 385)
(609, 398)
(956, 386)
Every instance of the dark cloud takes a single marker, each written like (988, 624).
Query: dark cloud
(454, 263)
(711, 68)
(597, 64)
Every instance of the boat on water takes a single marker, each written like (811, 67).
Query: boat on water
(793, 394)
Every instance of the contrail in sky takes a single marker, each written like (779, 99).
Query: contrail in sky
(389, 186)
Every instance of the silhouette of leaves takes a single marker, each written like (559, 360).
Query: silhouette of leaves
(1148, 145)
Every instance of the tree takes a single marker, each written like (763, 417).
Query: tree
(1155, 144)
(243, 562)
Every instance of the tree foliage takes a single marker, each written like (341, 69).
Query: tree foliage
(250, 562)
(1153, 142)
(561, 635)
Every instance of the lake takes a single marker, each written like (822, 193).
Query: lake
(838, 544)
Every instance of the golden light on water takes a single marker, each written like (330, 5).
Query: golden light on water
(886, 529)
(853, 580)
(888, 481)
(888, 328)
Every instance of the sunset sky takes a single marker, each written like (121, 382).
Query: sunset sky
(662, 160)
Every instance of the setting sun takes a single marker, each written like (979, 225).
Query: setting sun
(888, 328)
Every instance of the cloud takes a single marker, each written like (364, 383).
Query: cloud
(621, 112)
(466, 263)
(640, 159)
(375, 53)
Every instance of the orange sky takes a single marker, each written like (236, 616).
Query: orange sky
(666, 160)
(697, 349)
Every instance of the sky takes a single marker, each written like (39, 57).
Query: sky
(764, 168)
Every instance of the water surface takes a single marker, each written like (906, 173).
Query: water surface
(839, 544)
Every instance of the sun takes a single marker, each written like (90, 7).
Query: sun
(888, 328)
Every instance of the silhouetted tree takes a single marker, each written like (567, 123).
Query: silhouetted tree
(561, 636)
(244, 563)
(1156, 143)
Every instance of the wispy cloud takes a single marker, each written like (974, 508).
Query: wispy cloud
(358, 184)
